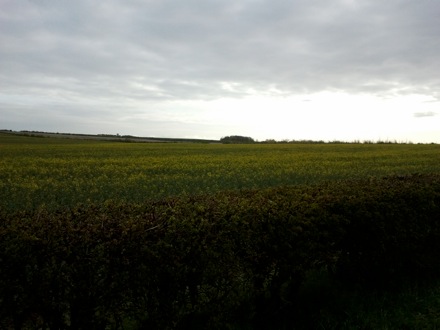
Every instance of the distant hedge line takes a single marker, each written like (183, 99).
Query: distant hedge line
(226, 260)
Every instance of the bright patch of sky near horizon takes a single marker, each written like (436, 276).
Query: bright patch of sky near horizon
(315, 70)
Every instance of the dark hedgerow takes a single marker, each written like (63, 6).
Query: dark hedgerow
(232, 259)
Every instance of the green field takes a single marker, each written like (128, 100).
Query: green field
(58, 172)
(279, 236)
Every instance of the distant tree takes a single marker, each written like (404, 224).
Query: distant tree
(237, 139)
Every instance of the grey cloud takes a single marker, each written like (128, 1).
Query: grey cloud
(424, 114)
(186, 49)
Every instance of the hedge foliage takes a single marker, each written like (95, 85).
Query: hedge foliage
(225, 260)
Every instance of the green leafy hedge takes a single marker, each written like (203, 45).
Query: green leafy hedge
(215, 261)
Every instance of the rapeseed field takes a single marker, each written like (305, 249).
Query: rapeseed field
(57, 172)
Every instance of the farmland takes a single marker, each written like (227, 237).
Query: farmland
(191, 235)
(57, 172)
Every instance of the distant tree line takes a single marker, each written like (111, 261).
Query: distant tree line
(237, 139)
(246, 139)
(272, 141)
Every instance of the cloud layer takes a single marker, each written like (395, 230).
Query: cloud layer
(138, 57)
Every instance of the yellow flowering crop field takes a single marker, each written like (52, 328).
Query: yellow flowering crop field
(57, 172)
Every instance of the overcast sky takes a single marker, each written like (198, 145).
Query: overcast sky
(269, 69)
